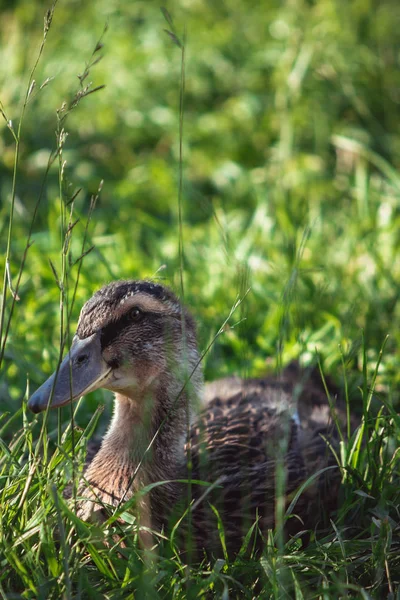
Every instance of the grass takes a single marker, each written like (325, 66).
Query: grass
(279, 128)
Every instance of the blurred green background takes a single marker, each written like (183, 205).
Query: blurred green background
(291, 150)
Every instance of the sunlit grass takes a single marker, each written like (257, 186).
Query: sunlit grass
(272, 169)
(48, 552)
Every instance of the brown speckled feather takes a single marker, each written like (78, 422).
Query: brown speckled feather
(255, 442)
(238, 442)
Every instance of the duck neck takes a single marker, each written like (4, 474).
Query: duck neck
(147, 434)
(144, 444)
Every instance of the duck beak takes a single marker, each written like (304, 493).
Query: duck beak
(82, 370)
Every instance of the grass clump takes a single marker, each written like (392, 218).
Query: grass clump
(285, 130)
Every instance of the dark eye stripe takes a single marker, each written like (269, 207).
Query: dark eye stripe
(112, 331)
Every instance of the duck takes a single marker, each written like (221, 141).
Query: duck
(226, 453)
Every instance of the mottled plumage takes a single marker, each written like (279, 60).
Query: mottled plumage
(135, 339)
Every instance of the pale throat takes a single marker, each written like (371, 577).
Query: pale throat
(134, 424)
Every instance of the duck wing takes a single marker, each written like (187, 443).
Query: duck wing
(243, 444)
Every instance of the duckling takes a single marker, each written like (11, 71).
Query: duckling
(136, 339)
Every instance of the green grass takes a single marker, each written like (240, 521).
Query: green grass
(265, 157)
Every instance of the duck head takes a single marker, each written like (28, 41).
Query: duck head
(130, 335)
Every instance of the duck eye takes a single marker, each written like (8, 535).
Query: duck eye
(135, 314)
